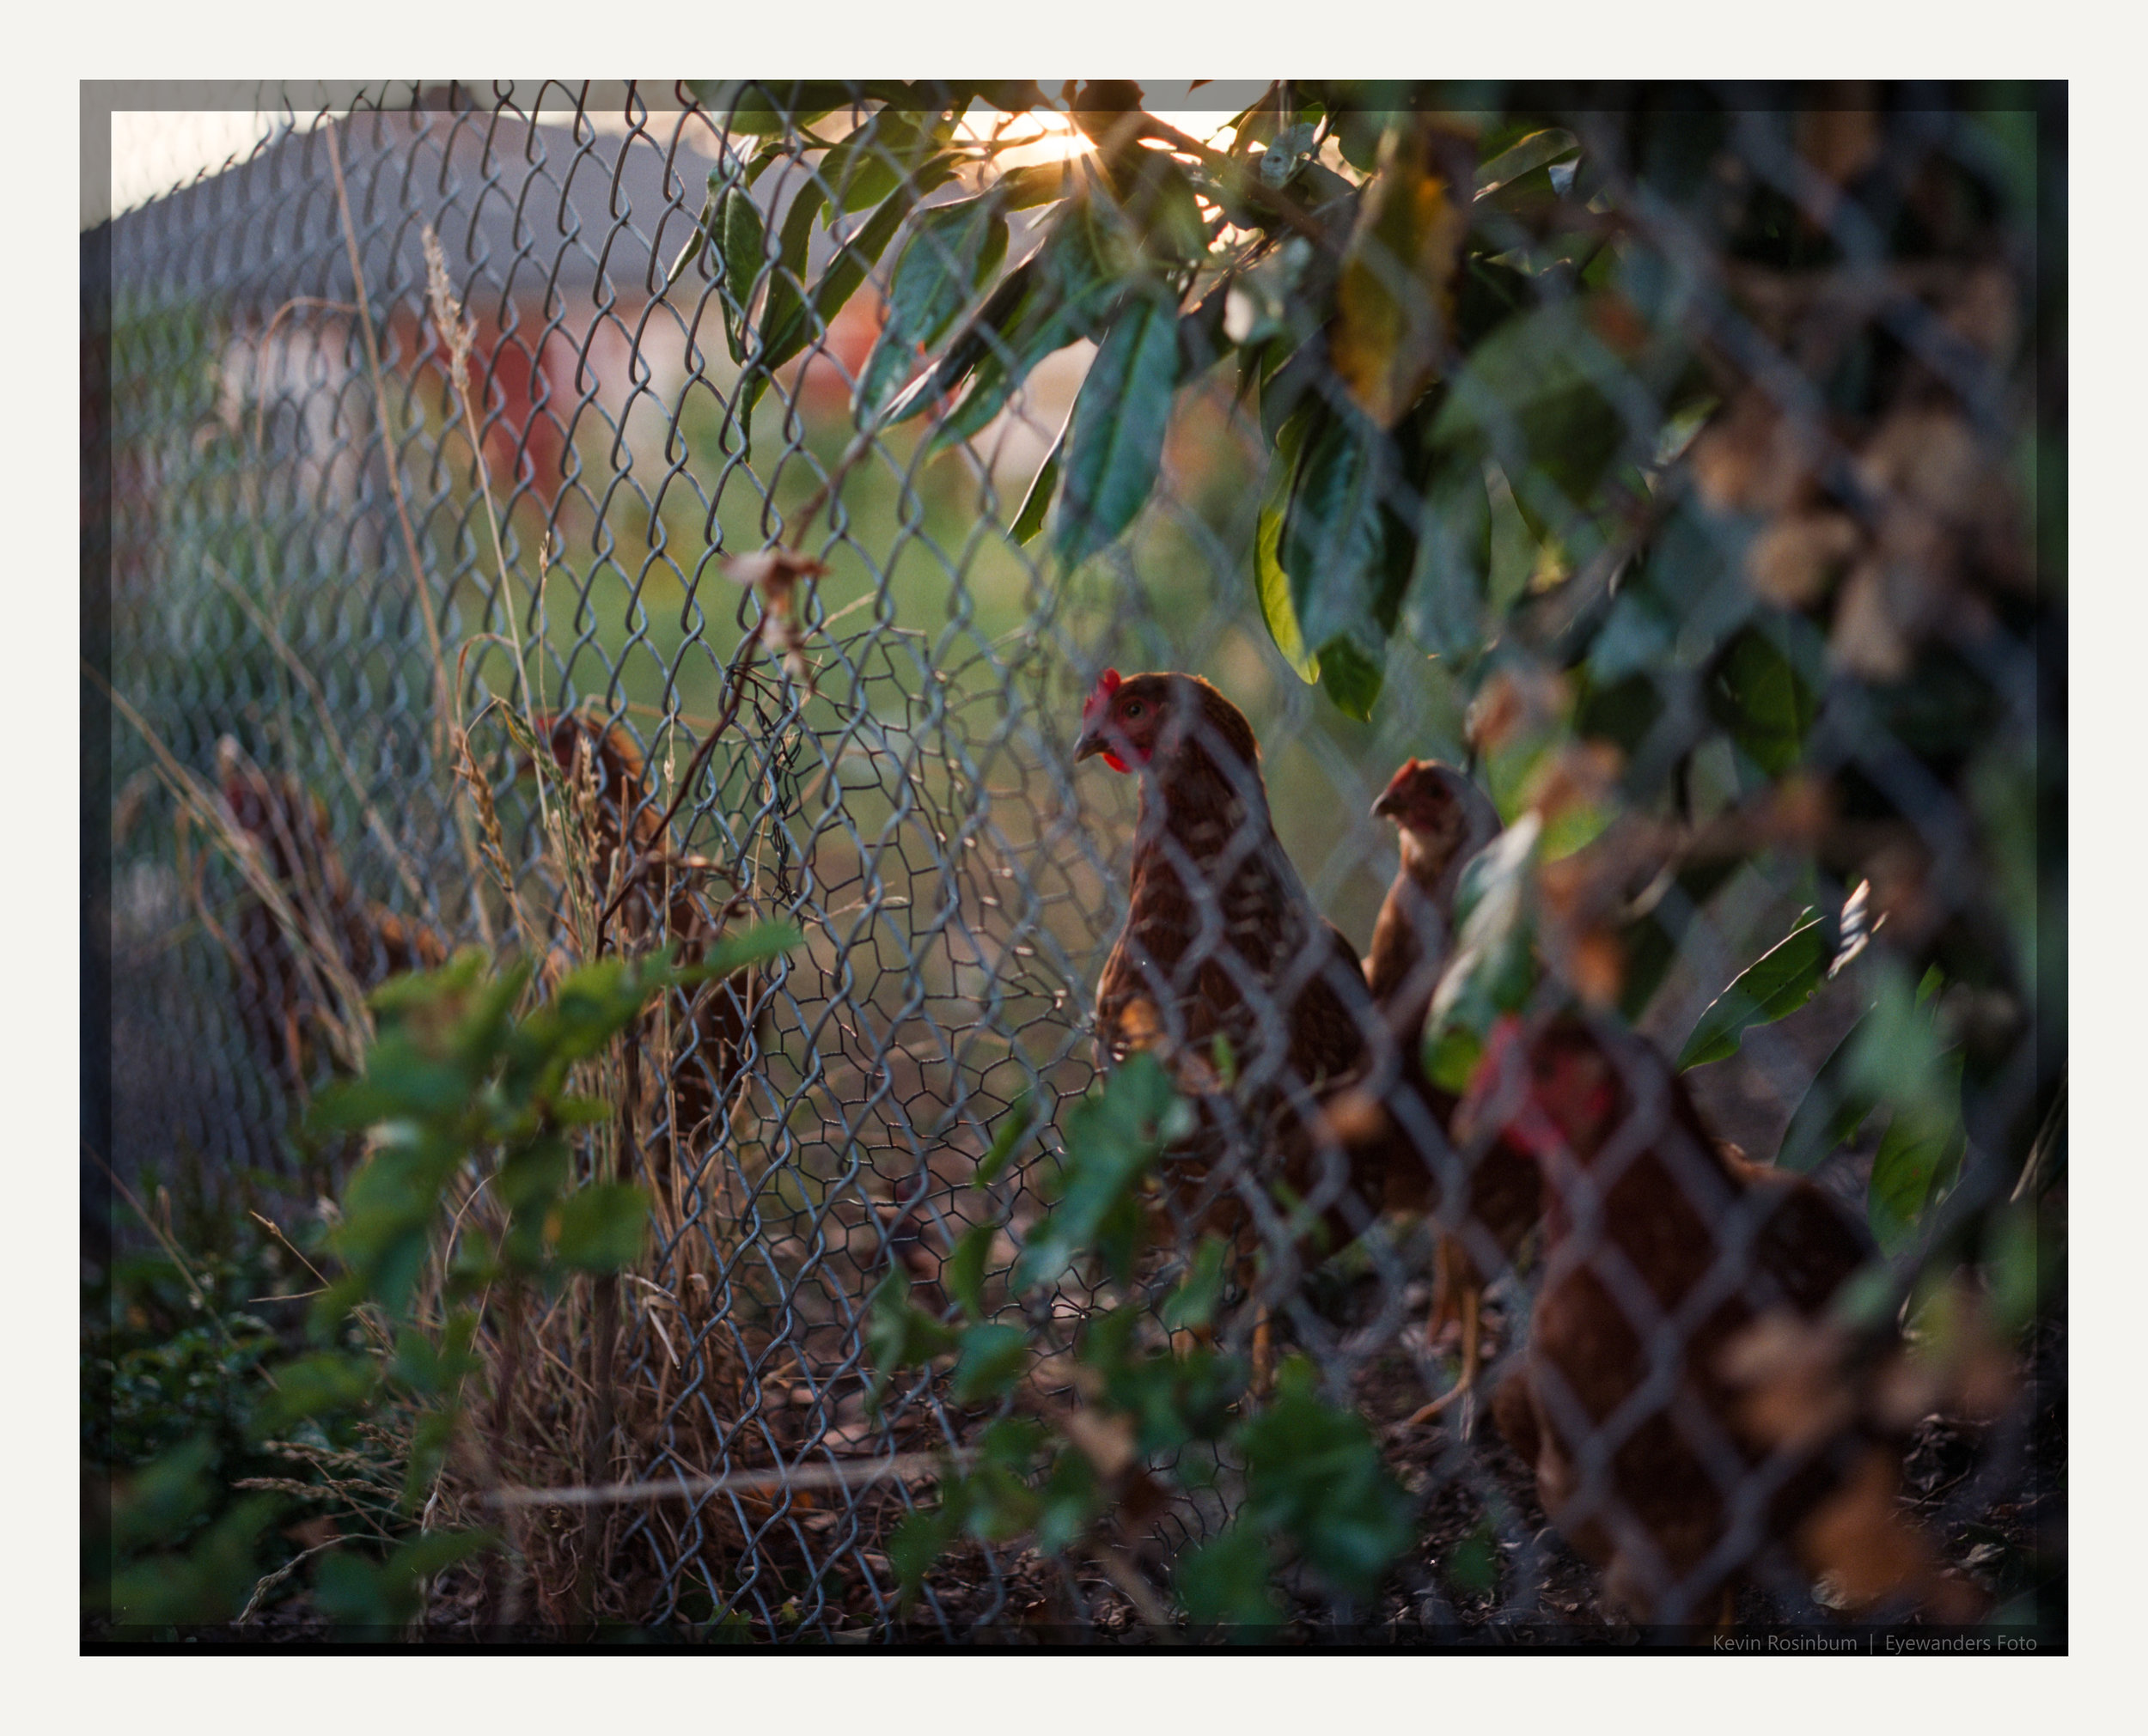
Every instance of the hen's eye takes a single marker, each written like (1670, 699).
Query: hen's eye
(1132, 709)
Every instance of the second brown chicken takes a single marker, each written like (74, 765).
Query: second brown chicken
(1663, 1255)
(654, 894)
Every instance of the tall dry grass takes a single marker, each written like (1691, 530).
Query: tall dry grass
(587, 1387)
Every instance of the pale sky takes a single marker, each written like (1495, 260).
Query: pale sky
(154, 151)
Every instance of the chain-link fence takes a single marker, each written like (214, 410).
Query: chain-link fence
(1669, 467)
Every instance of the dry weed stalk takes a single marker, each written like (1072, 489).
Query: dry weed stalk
(449, 738)
(556, 1412)
(316, 950)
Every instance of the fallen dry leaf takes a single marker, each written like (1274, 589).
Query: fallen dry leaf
(1517, 700)
(1108, 1440)
(1754, 458)
(775, 574)
(1792, 562)
(1860, 1544)
(1793, 1375)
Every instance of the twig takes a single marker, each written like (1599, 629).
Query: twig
(388, 443)
(510, 1366)
(734, 696)
(276, 1230)
(2033, 1173)
(332, 976)
(903, 1465)
(1137, 1593)
(447, 702)
(268, 1583)
(447, 314)
(604, 1334)
(200, 1297)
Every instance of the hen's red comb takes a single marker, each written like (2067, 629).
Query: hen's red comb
(1404, 772)
(1107, 683)
(1504, 1038)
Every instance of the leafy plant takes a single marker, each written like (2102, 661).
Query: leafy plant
(1354, 256)
(462, 1098)
(464, 1210)
(1143, 1411)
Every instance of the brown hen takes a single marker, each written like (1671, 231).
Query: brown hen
(284, 997)
(1662, 1253)
(1225, 968)
(1395, 1123)
(632, 855)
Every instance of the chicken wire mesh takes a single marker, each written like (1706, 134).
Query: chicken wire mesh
(305, 578)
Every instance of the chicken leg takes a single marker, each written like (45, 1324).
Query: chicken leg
(1454, 1297)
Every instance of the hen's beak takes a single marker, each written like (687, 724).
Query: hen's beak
(1087, 745)
(1384, 805)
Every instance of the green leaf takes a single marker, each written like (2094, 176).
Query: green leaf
(1068, 1503)
(1073, 284)
(920, 1540)
(754, 945)
(1016, 1124)
(208, 1583)
(1115, 441)
(1452, 1056)
(872, 162)
(2019, 1272)
(1772, 987)
(1473, 1564)
(429, 1369)
(1313, 1473)
(1351, 677)
(1538, 150)
(1112, 1137)
(952, 250)
(742, 243)
(1030, 519)
(1650, 942)
(1493, 969)
(964, 1272)
(704, 225)
(897, 1333)
(317, 1385)
(357, 1593)
(785, 311)
(1271, 584)
(1540, 392)
(995, 1502)
(1347, 556)
(1898, 1058)
(428, 1444)
(1224, 1582)
(1758, 696)
(758, 105)
(1034, 184)
(1834, 1107)
(1916, 1163)
(988, 1361)
(160, 1501)
(1165, 211)
(1331, 537)
(601, 1226)
(1174, 1400)
(1358, 133)
(1444, 610)
(1193, 1304)
(787, 332)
